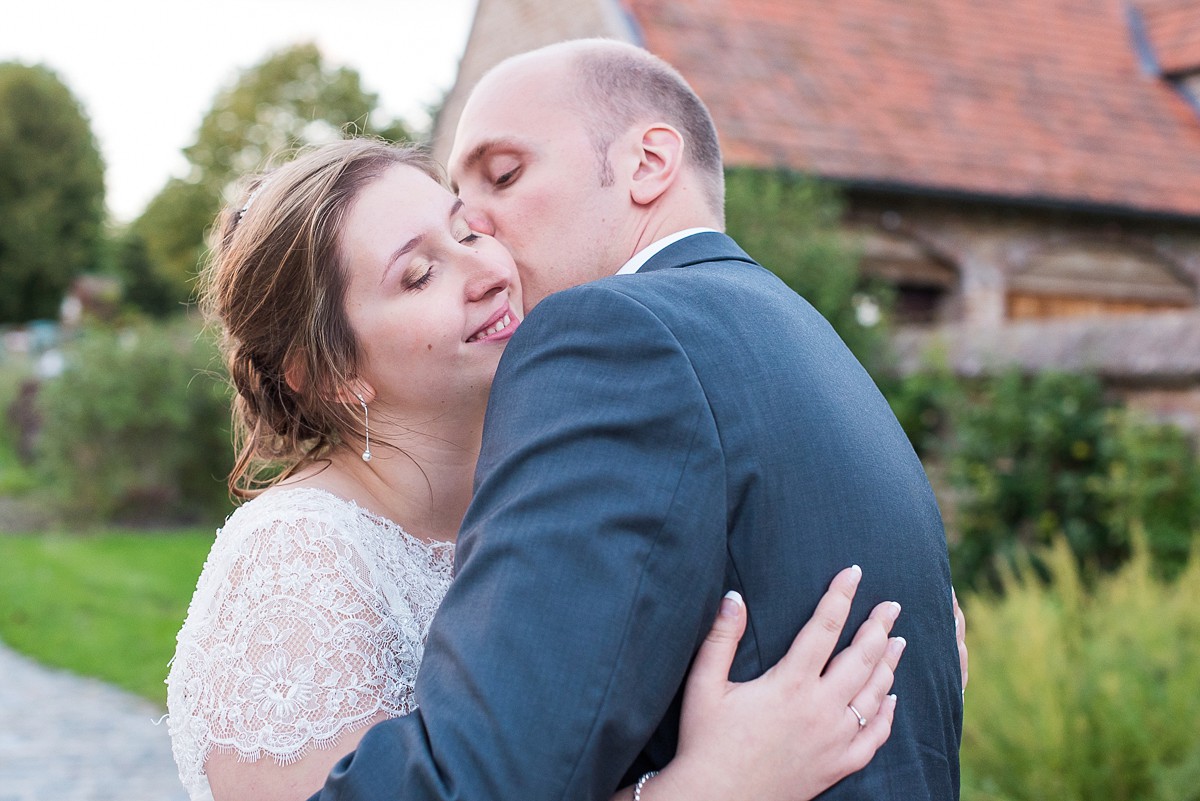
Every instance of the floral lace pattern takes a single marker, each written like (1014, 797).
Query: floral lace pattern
(308, 620)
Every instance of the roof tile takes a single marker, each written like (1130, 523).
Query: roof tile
(1027, 98)
(1173, 27)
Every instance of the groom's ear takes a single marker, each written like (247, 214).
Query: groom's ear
(660, 162)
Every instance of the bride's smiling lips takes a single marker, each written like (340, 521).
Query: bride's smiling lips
(499, 327)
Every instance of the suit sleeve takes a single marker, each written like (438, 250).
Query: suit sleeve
(591, 563)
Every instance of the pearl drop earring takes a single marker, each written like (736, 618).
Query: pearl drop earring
(366, 454)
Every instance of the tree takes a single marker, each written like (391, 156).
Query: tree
(169, 237)
(143, 288)
(51, 192)
(292, 98)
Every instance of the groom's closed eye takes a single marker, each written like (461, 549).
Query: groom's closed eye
(501, 168)
(506, 178)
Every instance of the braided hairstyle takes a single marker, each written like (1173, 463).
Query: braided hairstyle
(274, 287)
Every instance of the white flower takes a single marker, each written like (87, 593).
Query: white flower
(284, 688)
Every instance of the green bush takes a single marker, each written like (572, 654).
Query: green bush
(1028, 458)
(135, 429)
(1025, 453)
(1152, 483)
(1081, 694)
(16, 478)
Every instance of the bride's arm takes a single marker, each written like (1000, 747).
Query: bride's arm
(286, 660)
(790, 734)
(232, 778)
(787, 735)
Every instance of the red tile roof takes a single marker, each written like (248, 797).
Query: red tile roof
(1029, 99)
(1173, 28)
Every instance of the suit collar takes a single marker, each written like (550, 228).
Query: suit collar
(697, 248)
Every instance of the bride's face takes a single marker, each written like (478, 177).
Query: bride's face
(431, 302)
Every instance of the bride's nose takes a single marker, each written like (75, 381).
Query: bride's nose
(487, 277)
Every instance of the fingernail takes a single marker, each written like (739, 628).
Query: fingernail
(896, 645)
(856, 573)
(895, 609)
(732, 604)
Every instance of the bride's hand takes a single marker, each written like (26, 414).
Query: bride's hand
(791, 733)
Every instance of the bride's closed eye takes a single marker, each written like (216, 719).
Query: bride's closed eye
(418, 279)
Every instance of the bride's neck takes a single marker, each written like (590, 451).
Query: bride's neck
(421, 478)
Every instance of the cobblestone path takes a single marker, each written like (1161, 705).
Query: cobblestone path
(66, 738)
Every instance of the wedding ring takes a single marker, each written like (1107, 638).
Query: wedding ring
(862, 722)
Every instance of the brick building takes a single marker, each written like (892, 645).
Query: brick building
(1026, 174)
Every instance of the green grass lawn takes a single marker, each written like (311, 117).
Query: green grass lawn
(106, 605)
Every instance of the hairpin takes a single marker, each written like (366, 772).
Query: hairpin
(249, 200)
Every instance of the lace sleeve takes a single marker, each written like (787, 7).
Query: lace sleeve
(289, 643)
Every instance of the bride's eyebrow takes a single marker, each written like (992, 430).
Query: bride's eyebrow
(407, 247)
(412, 244)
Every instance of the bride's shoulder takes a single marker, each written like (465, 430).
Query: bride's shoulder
(291, 542)
(296, 500)
(294, 510)
(281, 531)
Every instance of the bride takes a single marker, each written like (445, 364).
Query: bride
(362, 321)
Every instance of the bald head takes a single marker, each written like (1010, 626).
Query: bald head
(614, 86)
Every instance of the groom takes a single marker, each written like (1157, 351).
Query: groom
(654, 438)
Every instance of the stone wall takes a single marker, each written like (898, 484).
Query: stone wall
(988, 263)
(1115, 296)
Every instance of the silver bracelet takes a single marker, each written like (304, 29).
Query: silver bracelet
(637, 788)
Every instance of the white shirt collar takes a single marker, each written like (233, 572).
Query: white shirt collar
(645, 254)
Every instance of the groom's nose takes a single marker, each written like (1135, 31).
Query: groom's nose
(479, 221)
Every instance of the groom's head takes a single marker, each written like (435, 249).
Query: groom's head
(579, 154)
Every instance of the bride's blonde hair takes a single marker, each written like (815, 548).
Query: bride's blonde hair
(274, 286)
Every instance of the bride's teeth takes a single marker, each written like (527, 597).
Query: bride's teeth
(499, 326)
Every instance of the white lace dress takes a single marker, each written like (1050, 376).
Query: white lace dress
(308, 620)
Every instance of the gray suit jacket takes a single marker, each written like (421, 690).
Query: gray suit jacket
(652, 441)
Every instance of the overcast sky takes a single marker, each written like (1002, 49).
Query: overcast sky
(146, 71)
